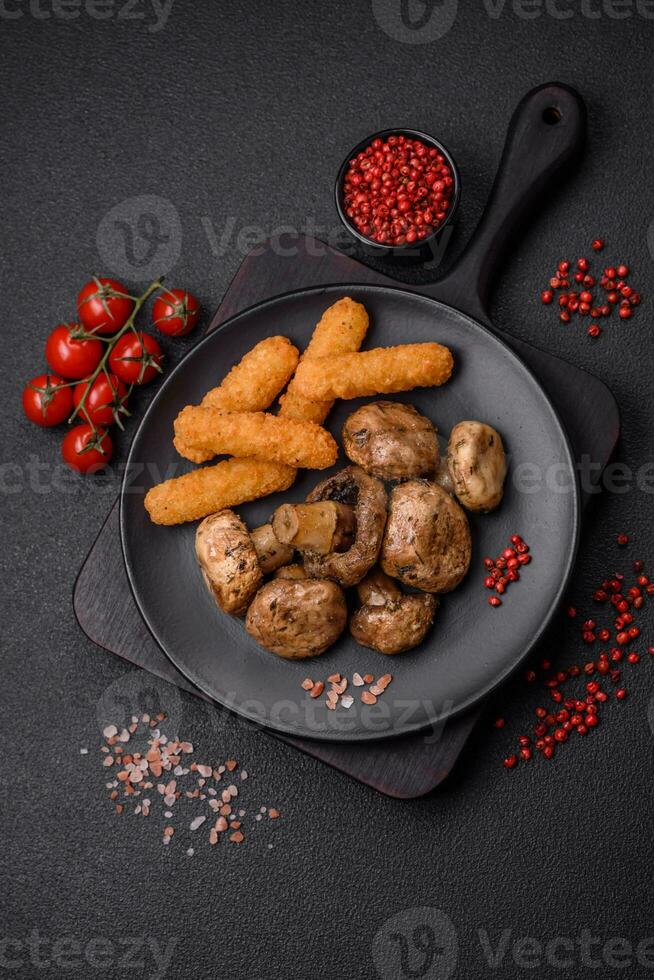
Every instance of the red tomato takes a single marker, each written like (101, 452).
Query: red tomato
(175, 312)
(104, 305)
(136, 358)
(86, 450)
(70, 357)
(104, 401)
(45, 402)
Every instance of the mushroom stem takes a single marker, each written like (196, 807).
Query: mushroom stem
(271, 552)
(323, 527)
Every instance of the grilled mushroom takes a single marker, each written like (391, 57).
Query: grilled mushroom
(427, 539)
(233, 561)
(477, 465)
(390, 621)
(297, 619)
(228, 560)
(367, 495)
(391, 441)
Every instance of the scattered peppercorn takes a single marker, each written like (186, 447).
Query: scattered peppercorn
(504, 569)
(618, 293)
(580, 715)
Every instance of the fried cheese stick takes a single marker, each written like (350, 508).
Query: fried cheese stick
(299, 444)
(374, 372)
(235, 481)
(251, 386)
(212, 488)
(341, 329)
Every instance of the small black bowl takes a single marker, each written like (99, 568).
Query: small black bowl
(411, 251)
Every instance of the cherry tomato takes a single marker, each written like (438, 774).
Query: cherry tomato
(85, 449)
(45, 402)
(175, 312)
(104, 305)
(136, 358)
(105, 400)
(70, 357)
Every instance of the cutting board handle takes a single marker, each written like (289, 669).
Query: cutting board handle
(545, 135)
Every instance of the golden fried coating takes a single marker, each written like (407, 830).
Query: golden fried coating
(374, 372)
(211, 488)
(341, 329)
(259, 434)
(251, 386)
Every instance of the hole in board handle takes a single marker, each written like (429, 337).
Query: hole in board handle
(551, 115)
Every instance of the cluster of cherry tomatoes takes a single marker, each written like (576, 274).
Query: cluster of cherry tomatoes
(95, 362)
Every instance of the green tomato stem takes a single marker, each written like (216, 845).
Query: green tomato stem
(128, 325)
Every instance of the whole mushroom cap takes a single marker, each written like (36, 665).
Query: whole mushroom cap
(388, 620)
(391, 440)
(477, 465)
(427, 541)
(297, 618)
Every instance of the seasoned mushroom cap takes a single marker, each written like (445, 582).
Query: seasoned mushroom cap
(391, 440)
(228, 560)
(477, 465)
(388, 620)
(297, 619)
(368, 497)
(427, 539)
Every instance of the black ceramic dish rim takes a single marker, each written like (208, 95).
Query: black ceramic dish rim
(380, 247)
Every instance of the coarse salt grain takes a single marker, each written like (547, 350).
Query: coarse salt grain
(140, 770)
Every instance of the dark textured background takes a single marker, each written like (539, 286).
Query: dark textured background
(239, 114)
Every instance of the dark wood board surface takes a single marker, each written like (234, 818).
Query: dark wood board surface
(409, 766)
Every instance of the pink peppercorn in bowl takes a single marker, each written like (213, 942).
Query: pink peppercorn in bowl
(396, 191)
